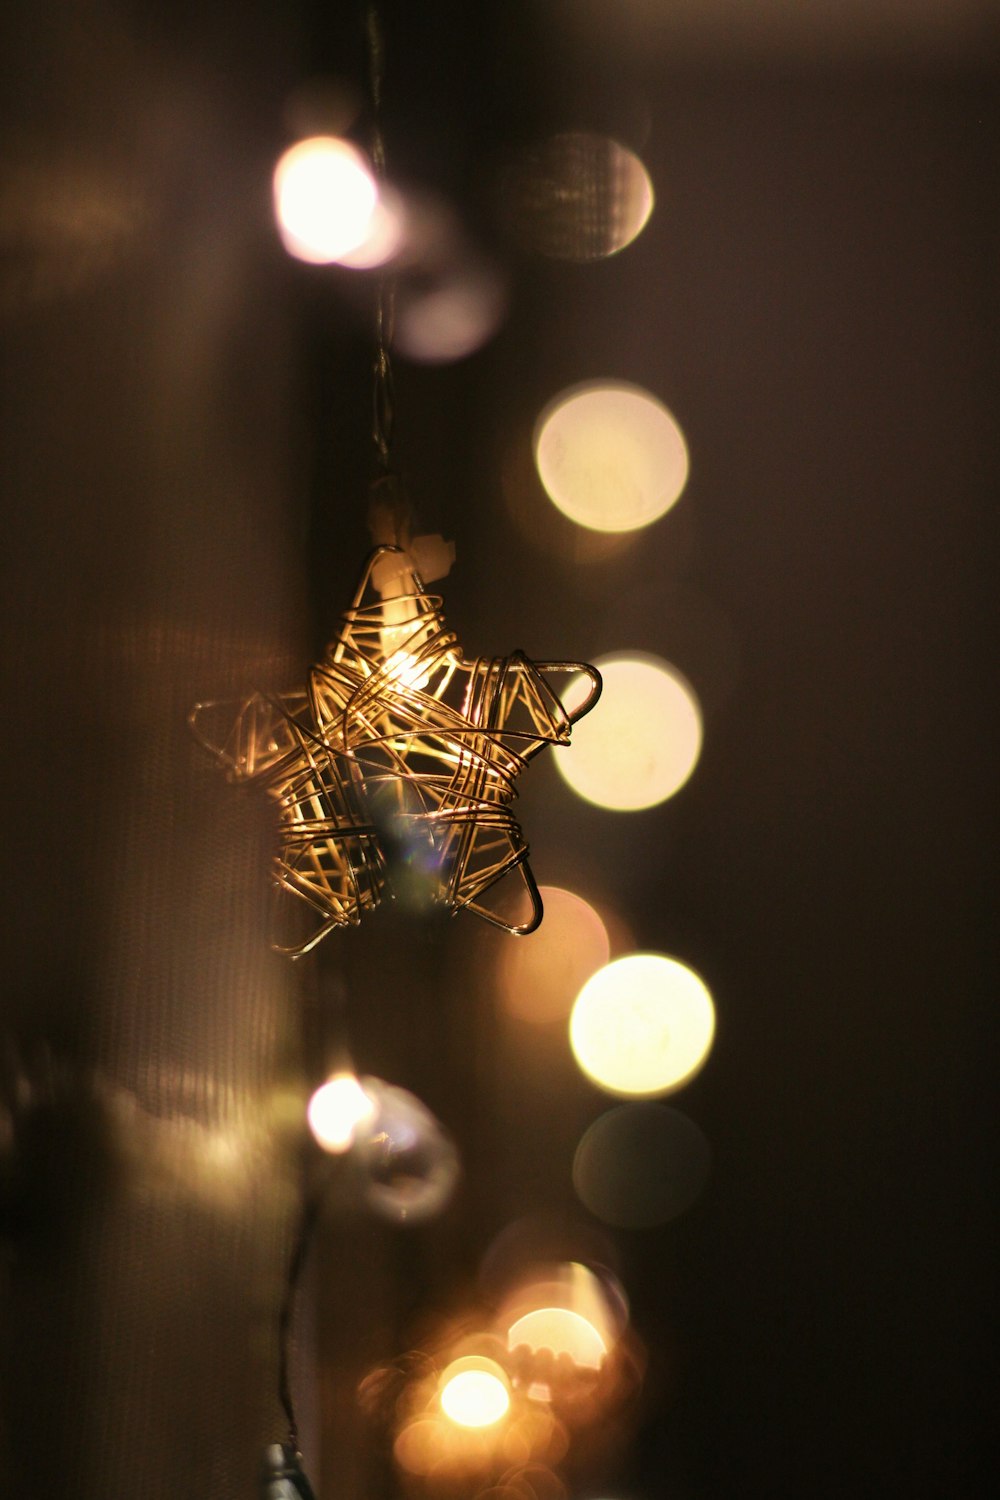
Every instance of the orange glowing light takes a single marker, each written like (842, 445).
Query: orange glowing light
(561, 1331)
(328, 206)
(541, 977)
(475, 1392)
(571, 1313)
(610, 456)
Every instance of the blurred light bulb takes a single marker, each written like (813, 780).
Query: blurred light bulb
(642, 1025)
(409, 1163)
(328, 206)
(335, 1111)
(475, 1392)
(641, 742)
(610, 456)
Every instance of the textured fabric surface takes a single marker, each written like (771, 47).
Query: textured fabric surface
(148, 1035)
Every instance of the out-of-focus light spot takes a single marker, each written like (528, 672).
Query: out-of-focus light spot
(642, 740)
(571, 1313)
(328, 206)
(474, 1392)
(335, 1111)
(578, 196)
(540, 976)
(419, 1446)
(408, 1162)
(642, 1025)
(610, 456)
(640, 1165)
(536, 1482)
(452, 318)
(561, 1331)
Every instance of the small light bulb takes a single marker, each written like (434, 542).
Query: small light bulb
(474, 1392)
(326, 200)
(336, 1110)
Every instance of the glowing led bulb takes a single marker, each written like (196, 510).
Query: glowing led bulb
(326, 201)
(474, 1392)
(642, 1025)
(336, 1110)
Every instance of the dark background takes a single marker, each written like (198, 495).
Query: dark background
(184, 457)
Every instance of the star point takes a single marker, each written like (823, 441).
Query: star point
(394, 768)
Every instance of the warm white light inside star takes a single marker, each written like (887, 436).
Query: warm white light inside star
(336, 1110)
(475, 1392)
(610, 456)
(642, 740)
(642, 1025)
(328, 205)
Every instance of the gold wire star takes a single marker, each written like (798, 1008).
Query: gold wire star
(394, 768)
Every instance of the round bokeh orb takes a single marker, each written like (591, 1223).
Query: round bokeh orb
(641, 741)
(610, 456)
(642, 1025)
(475, 1392)
(409, 1165)
(577, 196)
(640, 1165)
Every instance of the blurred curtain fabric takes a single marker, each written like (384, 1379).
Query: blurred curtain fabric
(146, 562)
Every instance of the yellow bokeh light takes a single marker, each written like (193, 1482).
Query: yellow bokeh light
(642, 1025)
(328, 205)
(642, 740)
(336, 1110)
(475, 1392)
(540, 977)
(562, 1331)
(610, 456)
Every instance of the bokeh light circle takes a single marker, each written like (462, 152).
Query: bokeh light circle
(640, 743)
(643, 1025)
(475, 1392)
(540, 976)
(610, 456)
(640, 1165)
(578, 196)
(335, 1111)
(326, 201)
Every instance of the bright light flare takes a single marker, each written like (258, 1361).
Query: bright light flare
(561, 1331)
(610, 456)
(642, 740)
(475, 1392)
(571, 1312)
(328, 206)
(642, 1025)
(336, 1110)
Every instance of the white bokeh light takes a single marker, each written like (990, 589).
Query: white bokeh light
(610, 456)
(336, 1110)
(328, 205)
(640, 742)
(643, 1025)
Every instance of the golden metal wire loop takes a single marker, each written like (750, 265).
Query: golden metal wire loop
(394, 768)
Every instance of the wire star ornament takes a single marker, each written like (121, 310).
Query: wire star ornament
(394, 768)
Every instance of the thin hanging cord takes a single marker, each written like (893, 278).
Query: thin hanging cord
(300, 1253)
(382, 407)
(390, 515)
